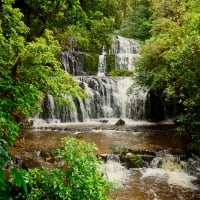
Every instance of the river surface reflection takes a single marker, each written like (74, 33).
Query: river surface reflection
(144, 183)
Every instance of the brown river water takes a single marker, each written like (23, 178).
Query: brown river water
(171, 181)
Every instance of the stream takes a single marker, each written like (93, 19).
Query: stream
(169, 173)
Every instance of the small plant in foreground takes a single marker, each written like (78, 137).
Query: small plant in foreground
(79, 178)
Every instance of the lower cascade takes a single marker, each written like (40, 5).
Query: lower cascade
(107, 99)
(164, 169)
(171, 169)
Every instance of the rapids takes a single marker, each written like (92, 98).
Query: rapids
(168, 170)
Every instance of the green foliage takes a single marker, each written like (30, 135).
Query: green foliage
(120, 72)
(170, 59)
(95, 20)
(83, 170)
(78, 179)
(8, 169)
(46, 183)
(110, 61)
(4, 157)
(90, 64)
(29, 69)
(139, 22)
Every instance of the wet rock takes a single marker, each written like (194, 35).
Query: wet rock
(28, 163)
(120, 122)
(103, 120)
(149, 149)
(147, 158)
(133, 161)
(82, 85)
(47, 155)
(26, 124)
(78, 135)
(134, 158)
(103, 156)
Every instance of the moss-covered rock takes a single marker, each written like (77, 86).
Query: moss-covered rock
(90, 63)
(194, 148)
(133, 161)
(120, 72)
(110, 59)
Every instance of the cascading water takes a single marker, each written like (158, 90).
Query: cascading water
(102, 63)
(171, 169)
(116, 173)
(107, 95)
(126, 51)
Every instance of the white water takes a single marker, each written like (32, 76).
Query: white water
(102, 63)
(173, 178)
(39, 123)
(126, 52)
(170, 182)
(170, 169)
(117, 174)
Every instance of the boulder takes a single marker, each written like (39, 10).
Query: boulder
(120, 122)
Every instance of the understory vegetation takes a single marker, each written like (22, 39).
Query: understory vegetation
(77, 176)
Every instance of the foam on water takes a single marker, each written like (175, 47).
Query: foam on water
(116, 173)
(174, 178)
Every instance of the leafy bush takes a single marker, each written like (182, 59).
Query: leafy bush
(79, 178)
(8, 169)
(190, 126)
(82, 169)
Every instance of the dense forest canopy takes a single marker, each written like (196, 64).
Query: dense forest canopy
(170, 58)
(34, 32)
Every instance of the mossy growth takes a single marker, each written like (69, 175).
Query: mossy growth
(120, 72)
(194, 148)
(90, 63)
(110, 59)
(133, 161)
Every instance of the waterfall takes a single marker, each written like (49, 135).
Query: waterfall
(126, 52)
(108, 96)
(107, 99)
(102, 63)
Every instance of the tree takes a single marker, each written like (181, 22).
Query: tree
(29, 69)
(170, 60)
(139, 22)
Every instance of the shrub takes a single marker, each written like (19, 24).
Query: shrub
(79, 178)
